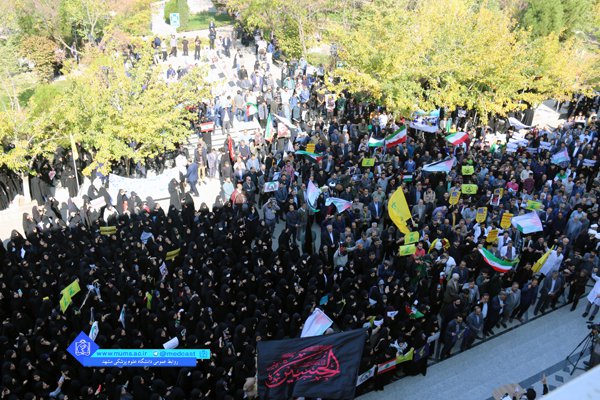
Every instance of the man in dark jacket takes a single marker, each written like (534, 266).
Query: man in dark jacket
(494, 313)
(528, 295)
(552, 287)
(292, 221)
(192, 177)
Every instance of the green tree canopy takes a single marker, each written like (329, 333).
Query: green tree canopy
(114, 109)
(460, 53)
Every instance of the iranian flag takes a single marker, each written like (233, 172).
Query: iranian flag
(497, 263)
(340, 204)
(269, 133)
(457, 138)
(376, 142)
(440, 166)
(396, 138)
(313, 156)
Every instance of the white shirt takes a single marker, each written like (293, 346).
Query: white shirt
(504, 253)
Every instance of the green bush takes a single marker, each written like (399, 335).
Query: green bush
(170, 7)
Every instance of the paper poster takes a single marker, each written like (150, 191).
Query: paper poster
(505, 221)
(271, 186)
(481, 214)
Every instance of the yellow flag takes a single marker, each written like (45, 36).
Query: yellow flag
(368, 162)
(71, 290)
(534, 205)
(65, 301)
(406, 357)
(108, 230)
(398, 210)
(538, 264)
(411, 237)
(407, 250)
(468, 170)
(172, 254)
(469, 188)
(74, 148)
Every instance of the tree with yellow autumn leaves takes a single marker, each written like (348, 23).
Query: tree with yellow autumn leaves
(457, 53)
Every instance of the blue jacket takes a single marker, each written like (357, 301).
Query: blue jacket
(192, 172)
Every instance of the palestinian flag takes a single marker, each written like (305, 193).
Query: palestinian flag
(312, 156)
(497, 263)
(312, 194)
(396, 138)
(528, 223)
(376, 142)
(407, 178)
(457, 138)
(340, 204)
(269, 130)
(251, 109)
(560, 157)
(413, 312)
(440, 166)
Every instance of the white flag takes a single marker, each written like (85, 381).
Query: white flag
(518, 125)
(171, 344)
(94, 330)
(316, 324)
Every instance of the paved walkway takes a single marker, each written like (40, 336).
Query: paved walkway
(518, 356)
(197, 6)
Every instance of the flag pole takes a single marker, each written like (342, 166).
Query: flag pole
(75, 156)
(76, 175)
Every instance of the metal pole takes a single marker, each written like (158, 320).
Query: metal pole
(76, 174)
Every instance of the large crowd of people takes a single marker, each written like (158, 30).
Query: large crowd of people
(255, 264)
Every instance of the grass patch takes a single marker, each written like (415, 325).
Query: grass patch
(25, 85)
(318, 58)
(201, 20)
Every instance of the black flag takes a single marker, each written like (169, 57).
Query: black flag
(320, 366)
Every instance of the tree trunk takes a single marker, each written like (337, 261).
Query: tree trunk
(26, 189)
(301, 36)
